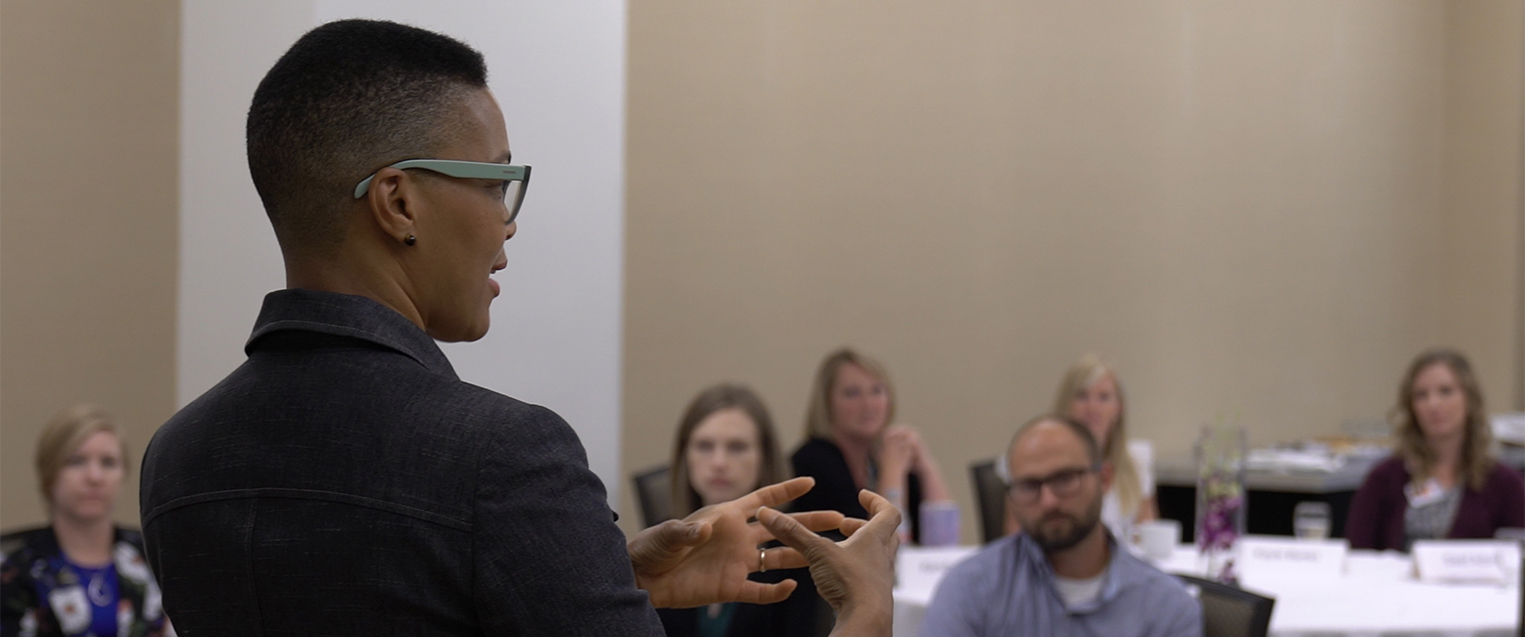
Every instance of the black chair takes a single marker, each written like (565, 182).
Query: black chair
(653, 488)
(1229, 611)
(990, 495)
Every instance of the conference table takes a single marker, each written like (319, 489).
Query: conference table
(1272, 493)
(1377, 595)
(1274, 490)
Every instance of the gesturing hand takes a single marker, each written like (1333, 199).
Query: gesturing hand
(706, 557)
(856, 576)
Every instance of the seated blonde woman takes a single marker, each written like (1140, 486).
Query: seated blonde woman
(1092, 394)
(852, 442)
(82, 574)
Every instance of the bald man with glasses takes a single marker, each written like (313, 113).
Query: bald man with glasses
(1063, 573)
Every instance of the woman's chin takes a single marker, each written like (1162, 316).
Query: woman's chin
(864, 432)
(86, 515)
(719, 497)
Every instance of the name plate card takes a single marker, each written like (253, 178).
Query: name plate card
(1476, 561)
(1262, 556)
(922, 568)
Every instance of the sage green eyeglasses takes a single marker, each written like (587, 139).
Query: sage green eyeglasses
(515, 178)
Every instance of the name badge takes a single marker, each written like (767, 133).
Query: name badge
(1493, 561)
(1261, 556)
(1428, 493)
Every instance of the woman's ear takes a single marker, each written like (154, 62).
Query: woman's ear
(392, 202)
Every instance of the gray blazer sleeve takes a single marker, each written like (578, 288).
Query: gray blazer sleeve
(549, 559)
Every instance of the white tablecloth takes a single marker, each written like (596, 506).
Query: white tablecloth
(1377, 595)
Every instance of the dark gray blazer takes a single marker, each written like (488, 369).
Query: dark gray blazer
(344, 481)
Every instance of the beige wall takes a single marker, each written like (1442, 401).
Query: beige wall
(88, 143)
(1485, 269)
(1259, 211)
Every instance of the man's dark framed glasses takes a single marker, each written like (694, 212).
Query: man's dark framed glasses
(1063, 484)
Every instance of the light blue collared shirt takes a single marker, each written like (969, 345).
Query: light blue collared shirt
(1007, 590)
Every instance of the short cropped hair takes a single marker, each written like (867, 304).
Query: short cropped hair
(1093, 450)
(349, 98)
(62, 437)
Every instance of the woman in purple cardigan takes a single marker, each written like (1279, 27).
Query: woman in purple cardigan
(1442, 481)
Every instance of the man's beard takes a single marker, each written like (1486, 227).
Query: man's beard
(1060, 540)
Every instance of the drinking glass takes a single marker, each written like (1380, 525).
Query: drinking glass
(1310, 521)
(939, 524)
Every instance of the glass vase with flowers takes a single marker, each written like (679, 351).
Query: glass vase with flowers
(1220, 452)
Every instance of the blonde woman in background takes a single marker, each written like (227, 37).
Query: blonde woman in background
(1092, 395)
(852, 443)
(81, 574)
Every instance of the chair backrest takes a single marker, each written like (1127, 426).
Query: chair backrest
(653, 488)
(990, 494)
(1229, 611)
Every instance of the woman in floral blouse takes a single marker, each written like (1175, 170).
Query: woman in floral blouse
(81, 575)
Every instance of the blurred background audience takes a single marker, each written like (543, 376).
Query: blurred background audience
(82, 574)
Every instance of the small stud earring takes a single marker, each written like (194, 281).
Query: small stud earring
(410, 240)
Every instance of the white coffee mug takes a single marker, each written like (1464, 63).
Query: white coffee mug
(1159, 538)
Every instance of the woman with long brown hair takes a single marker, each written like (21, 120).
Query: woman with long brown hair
(725, 448)
(1442, 480)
